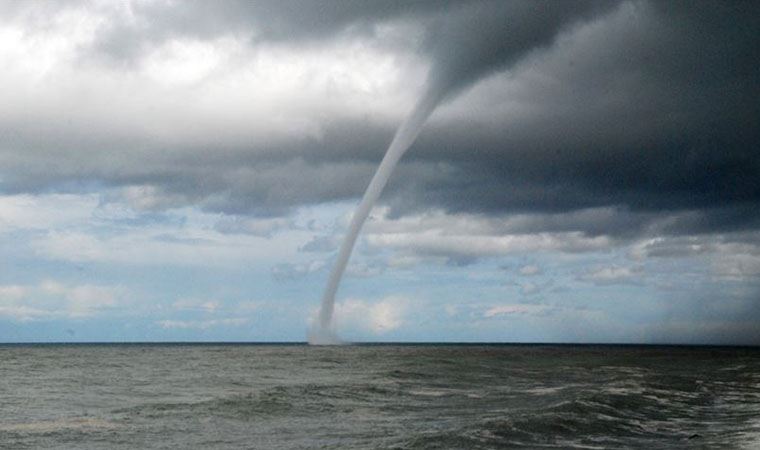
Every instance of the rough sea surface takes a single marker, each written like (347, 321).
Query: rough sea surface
(378, 396)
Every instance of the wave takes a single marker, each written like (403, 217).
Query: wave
(58, 425)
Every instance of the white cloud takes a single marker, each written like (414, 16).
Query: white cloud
(452, 310)
(179, 62)
(187, 244)
(529, 270)
(731, 256)
(612, 275)
(289, 271)
(376, 317)
(399, 261)
(23, 313)
(86, 300)
(201, 324)
(75, 247)
(208, 306)
(30, 212)
(736, 266)
(151, 198)
(12, 292)
(436, 235)
(51, 299)
(364, 270)
(256, 227)
(436, 243)
(529, 288)
(517, 309)
(186, 90)
(37, 51)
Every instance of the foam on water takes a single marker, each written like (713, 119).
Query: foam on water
(56, 425)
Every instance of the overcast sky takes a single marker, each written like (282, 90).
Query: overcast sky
(186, 170)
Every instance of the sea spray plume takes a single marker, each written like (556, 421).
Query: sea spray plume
(466, 45)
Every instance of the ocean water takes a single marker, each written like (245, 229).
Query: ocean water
(378, 396)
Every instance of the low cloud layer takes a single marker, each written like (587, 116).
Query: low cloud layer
(54, 300)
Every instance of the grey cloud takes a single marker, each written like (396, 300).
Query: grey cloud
(650, 108)
(287, 271)
(485, 36)
(256, 227)
(321, 244)
(612, 275)
(276, 22)
(622, 119)
(530, 270)
(173, 239)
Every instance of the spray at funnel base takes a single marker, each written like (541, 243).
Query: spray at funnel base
(322, 333)
(323, 336)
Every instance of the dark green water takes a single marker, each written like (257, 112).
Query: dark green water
(379, 396)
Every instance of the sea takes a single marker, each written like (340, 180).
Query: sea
(380, 396)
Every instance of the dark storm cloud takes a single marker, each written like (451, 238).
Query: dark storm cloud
(469, 43)
(608, 118)
(652, 108)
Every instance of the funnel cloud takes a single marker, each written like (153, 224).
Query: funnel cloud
(485, 38)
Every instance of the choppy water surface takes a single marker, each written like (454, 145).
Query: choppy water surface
(385, 396)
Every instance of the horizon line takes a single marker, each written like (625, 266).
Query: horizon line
(383, 343)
